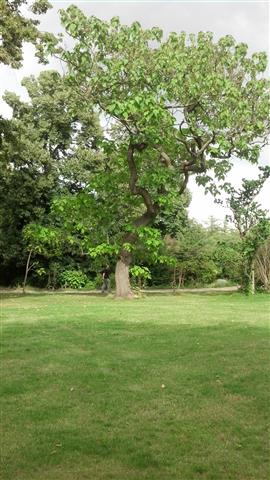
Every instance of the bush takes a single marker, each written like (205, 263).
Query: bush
(72, 279)
(90, 285)
(140, 275)
(98, 282)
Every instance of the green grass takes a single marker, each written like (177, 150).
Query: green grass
(82, 394)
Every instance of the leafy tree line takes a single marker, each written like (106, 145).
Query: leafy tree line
(198, 256)
(75, 195)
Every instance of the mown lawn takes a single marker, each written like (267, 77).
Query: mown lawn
(160, 388)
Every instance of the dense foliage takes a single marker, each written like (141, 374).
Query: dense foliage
(15, 28)
(47, 149)
(176, 107)
(75, 195)
(251, 222)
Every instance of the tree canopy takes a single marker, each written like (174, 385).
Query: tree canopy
(175, 107)
(251, 221)
(16, 29)
(169, 108)
(47, 149)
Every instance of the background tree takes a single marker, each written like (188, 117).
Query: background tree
(48, 148)
(182, 106)
(43, 241)
(227, 256)
(193, 250)
(251, 222)
(16, 29)
(262, 265)
(174, 216)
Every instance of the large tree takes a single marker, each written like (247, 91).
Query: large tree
(48, 148)
(181, 106)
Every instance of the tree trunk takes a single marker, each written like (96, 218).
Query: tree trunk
(262, 265)
(252, 279)
(27, 269)
(248, 278)
(123, 288)
(174, 279)
(49, 280)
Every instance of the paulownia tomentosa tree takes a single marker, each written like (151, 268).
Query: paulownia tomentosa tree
(183, 105)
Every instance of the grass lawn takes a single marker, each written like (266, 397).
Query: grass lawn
(159, 388)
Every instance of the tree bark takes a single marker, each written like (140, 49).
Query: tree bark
(262, 265)
(123, 288)
(180, 279)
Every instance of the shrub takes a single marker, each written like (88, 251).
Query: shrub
(90, 285)
(72, 279)
(140, 274)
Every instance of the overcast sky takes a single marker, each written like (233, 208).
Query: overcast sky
(247, 21)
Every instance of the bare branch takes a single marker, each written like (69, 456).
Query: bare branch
(207, 143)
(184, 184)
(166, 159)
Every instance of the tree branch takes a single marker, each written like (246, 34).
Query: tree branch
(134, 188)
(184, 184)
(206, 144)
(166, 159)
